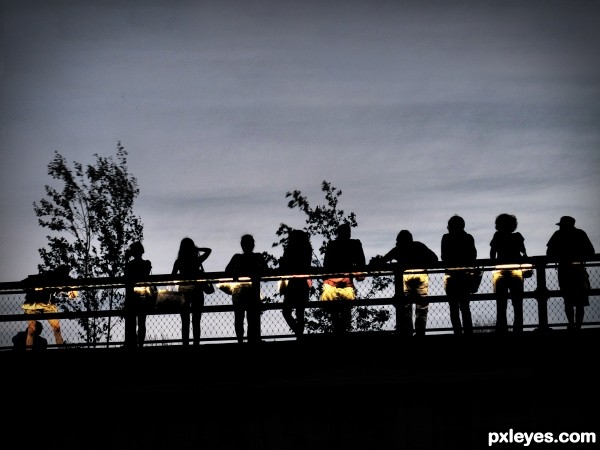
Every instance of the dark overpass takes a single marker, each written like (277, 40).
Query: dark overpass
(362, 392)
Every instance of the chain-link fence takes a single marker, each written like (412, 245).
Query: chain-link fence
(373, 310)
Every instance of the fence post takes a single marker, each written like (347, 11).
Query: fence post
(254, 311)
(399, 297)
(541, 294)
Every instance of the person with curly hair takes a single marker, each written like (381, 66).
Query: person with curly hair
(507, 248)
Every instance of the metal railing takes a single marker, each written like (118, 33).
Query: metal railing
(543, 306)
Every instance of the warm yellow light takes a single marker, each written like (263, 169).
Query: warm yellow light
(143, 290)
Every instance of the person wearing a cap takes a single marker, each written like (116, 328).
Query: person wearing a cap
(572, 246)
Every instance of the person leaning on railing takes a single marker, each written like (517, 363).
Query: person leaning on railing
(342, 254)
(458, 248)
(572, 245)
(415, 283)
(507, 247)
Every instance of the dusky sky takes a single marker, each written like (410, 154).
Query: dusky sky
(416, 110)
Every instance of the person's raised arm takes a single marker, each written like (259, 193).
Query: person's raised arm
(203, 253)
(389, 256)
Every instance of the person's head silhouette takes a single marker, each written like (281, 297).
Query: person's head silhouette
(298, 238)
(506, 223)
(456, 224)
(247, 243)
(136, 249)
(344, 231)
(566, 223)
(187, 245)
(404, 238)
(188, 251)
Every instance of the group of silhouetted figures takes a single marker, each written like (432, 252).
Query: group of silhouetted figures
(570, 245)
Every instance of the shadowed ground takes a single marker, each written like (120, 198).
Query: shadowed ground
(365, 391)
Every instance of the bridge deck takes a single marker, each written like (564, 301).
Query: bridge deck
(366, 391)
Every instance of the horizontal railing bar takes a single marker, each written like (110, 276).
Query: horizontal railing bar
(276, 274)
(381, 301)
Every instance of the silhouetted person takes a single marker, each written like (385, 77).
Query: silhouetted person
(137, 301)
(19, 340)
(411, 254)
(508, 249)
(296, 259)
(246, 299)
(458, 249)
(189, 265)
(342, 254)
(572, 246)
(43, 300)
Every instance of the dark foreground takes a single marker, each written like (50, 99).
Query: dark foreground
(364, 392)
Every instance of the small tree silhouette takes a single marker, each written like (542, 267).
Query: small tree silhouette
(92, 221)
(322, 221)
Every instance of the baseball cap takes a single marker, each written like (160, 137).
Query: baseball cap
(566, 220)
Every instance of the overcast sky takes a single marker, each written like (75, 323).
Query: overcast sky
(416, 110)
